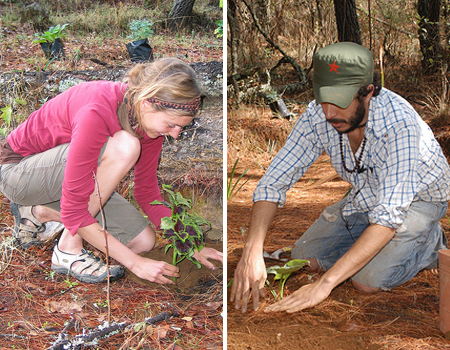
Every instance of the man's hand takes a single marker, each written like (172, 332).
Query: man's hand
(251, 271)
(373, 239)
(250, 274)
(305, 297)
(208, 253)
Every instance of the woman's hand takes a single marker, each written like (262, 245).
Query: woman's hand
(208, 253)
(154, 271)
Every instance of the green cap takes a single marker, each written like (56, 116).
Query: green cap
(340, 70)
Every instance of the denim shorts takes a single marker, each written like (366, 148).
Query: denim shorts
(414, 247)
(37, 180)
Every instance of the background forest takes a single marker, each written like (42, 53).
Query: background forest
(273, 42)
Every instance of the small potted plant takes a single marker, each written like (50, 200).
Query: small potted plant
(139, 49)
(51, 42)
(182, 228)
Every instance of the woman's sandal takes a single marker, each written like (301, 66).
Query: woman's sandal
(91, 269)
(35, 234)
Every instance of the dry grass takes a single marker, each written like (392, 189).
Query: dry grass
(253, 131)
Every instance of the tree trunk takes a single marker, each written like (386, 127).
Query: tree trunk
(347, 21)
(232, 44)
(429, 11)
(446, 16)
(180, 13)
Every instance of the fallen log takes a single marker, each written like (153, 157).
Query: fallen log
(102, 332)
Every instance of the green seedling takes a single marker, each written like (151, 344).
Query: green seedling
(101, 304)
(69, 283)
(182, 228)
(140, 29)
(282, 273)
(50, 275)
(49, 36)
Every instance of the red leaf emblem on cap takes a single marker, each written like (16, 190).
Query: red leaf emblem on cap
(333, 67)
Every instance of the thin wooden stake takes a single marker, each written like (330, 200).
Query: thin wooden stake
(106, 248)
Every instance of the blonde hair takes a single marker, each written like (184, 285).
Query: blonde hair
(168, 79)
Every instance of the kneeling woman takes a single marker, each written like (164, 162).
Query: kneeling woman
(80, 145)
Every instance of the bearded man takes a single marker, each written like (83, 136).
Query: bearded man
(387, 229)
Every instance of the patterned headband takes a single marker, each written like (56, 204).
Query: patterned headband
(194, 105)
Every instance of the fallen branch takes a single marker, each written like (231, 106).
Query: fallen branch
(105, 331)
(12, 336)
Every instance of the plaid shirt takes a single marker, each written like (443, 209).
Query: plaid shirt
(403, 162)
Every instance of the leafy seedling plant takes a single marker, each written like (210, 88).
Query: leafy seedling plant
(140, 29)
(49, 36)
(182, 228)
(283, 272)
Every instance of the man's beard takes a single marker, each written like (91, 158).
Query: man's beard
(355, 120)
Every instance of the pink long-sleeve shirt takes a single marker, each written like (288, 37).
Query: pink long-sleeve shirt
(85, 116)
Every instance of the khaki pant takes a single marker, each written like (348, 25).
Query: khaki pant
(37, 180)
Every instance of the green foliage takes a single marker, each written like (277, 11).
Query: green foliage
(219, 29)
(282, 273)
(7, 115)
(69, 283)
(233, 189)
(182, 228)
(140, 29)
(50, 274)
(51, 35)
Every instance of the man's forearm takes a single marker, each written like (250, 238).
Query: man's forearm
(373, 239)
(262, 216)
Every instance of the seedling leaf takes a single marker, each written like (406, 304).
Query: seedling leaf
(282, 273)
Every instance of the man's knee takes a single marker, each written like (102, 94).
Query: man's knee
(313, 262)
(364, 288)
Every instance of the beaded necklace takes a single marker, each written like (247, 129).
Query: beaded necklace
(358, 161)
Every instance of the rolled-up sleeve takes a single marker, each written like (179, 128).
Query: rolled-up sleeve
(302, 149)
